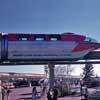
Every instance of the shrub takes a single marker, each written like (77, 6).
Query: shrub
(65, 92)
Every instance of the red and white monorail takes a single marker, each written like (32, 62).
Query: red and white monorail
(21, 46)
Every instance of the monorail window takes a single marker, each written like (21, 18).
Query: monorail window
(39, 37)
(93, 40)
(54, 37)
(23, 37)
(88, 39)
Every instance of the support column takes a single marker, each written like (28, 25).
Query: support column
(51, 75)
(0, 90)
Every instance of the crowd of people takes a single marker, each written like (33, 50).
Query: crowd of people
(5, 93)
(45, 94)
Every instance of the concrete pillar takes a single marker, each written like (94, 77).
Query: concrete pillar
(51, 75)
(0, 91)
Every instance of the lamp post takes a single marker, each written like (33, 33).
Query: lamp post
(46, 70)
(81, 88)
(0, 91)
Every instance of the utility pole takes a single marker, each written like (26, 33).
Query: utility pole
(46, 70)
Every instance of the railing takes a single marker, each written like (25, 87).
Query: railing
(94, 96)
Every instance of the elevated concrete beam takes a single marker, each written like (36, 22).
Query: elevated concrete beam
(95, 55)
(51, 75)
(53, 62)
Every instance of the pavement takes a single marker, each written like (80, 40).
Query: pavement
(25, 94)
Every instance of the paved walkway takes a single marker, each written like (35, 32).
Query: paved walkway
(25, 94)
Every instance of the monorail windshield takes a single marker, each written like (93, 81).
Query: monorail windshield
(88, 39)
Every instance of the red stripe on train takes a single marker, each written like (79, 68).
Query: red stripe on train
(85, 46)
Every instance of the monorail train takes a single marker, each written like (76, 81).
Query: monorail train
(21, 46)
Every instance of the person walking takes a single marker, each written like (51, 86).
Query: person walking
(55, 94)
(50, 94)
(34, 93)
(7, 93)
(3, 93)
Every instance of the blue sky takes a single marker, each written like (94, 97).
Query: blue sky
(50, 16)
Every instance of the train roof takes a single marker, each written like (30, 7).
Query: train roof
(66, 36)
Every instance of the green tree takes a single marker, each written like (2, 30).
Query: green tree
(87, 73)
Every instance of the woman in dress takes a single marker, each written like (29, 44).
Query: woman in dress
(34, 93)
(55, 94)
(50, 94)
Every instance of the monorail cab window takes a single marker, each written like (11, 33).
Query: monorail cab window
(88, 39)
(39, 37)
(23, 37)
(54, 37)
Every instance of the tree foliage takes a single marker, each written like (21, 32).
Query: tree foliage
(87, 73)
(64, 70)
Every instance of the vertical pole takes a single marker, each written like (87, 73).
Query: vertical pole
(51, 75)
(0, 91)
(29, 82)
(81, 83)
(46, 70)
